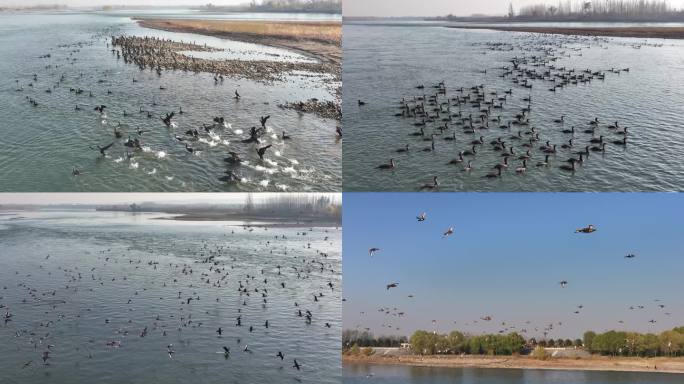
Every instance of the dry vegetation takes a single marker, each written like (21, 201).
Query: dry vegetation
(324, 32)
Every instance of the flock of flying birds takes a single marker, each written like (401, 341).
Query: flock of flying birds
(215, 267)
(256, 140)
(487, 128)
(505, 327)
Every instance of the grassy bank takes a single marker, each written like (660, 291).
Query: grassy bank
(639, 32)
(593, 363)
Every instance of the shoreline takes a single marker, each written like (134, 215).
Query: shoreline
(325, 50)
(320, 40)
(635, 32)
(594, 363)
(263, 221)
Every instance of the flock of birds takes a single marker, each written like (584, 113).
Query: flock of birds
(253, 144)
(485, 122)
(394, 314)
(215, 267)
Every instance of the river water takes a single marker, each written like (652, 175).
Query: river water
(386, 62)
(84, 286)
(42, 144)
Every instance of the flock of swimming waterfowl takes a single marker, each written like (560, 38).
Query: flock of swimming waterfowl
(394, 314)
(458, 126)
(242, 148)
(227, 270)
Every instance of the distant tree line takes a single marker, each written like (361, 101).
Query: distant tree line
(297, 205)
(299, 6)
(598, 10)
(617, 343)
(431, 343)
(611, 343)
(350, 338)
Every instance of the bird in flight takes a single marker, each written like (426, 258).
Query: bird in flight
(588, 229)
(448, 232)
(630, 256)
(563, 283)
(392, 285)
(421, 217)
(372, 251)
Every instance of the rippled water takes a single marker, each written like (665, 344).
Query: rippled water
(76, 301)
(361, 373)
(41, 144)
(385, 63)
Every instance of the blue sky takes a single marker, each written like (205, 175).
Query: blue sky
(506, 257)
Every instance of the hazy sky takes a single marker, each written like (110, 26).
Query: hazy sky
(80, 3)
(439, 7)
(506, 258)
(117, 198)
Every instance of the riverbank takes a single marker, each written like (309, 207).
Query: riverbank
(639, 32)
(319, 40)
(594, 363)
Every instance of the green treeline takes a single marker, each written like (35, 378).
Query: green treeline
(366, 339)
(612, 343)
(617, 343)
(430, 343)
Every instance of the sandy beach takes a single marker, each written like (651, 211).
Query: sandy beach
(594, 363)
(640, 32)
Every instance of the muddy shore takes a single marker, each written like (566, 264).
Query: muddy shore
(594, 363)
(319, 40)
(639, 32)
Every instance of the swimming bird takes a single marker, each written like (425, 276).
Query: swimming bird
(391, 165)
(434, 184)
(261, 151)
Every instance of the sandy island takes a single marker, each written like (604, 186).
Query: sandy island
(319, 40)
(640, 32)
(594, 363)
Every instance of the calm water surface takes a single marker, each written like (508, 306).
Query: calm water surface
(77, 281)
(385, 63)
(361, 373)
(41, 144)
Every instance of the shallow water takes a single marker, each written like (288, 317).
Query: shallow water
(362, 373)
(42, 144)
(649, 99)
(77, 300)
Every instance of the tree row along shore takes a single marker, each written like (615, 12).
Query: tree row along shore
(612, 350)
